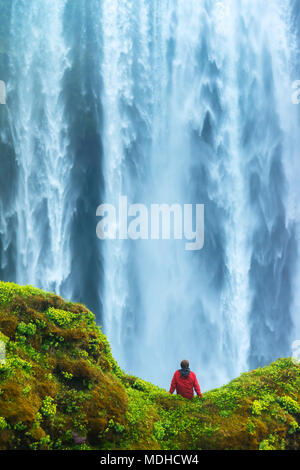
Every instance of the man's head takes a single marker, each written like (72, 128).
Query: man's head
(184, 364)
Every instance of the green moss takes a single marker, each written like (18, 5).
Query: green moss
(9, 290)
(60, 388)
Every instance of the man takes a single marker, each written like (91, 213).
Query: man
(185, 381)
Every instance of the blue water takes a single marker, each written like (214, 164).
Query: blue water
(170, 102)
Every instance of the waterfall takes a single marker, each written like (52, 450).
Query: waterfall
(182, 102)
(39, 129)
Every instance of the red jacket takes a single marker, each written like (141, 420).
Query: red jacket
(185, 385)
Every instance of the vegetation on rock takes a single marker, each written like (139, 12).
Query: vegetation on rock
(60, 388)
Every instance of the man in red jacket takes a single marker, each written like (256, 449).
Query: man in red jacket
(185, 381)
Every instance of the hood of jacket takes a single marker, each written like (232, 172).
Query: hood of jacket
(185, 372)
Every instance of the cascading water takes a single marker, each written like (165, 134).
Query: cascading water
(163, 102)
(39, 130)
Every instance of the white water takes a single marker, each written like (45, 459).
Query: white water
(192, 103)
(39, 134)
(181, 312)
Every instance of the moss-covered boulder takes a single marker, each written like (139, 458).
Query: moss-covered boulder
(60, 388)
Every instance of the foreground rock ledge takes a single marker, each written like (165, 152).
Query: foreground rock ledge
(60, 388)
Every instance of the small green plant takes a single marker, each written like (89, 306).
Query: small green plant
(139, 385)
(225, 413)
(43, 443)
(250, 427)
(37, 421)
(290, 405)
(61, 317)
(268, 444)
(117, 427)
(257, 407)
(20, 427)
(26, 329)
(67, 375)
(293, 427)
(26, 390)
(53, 340)
(18, 363)
(159, 431)
(48, 407)
(3, 423)
(40, 324)
(273, 442)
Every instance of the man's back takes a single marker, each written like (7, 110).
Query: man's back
(185, 382)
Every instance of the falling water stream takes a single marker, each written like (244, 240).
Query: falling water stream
(167, 101)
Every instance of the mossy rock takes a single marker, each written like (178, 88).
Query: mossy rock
(60, 388)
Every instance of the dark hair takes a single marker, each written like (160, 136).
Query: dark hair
(184, 364)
